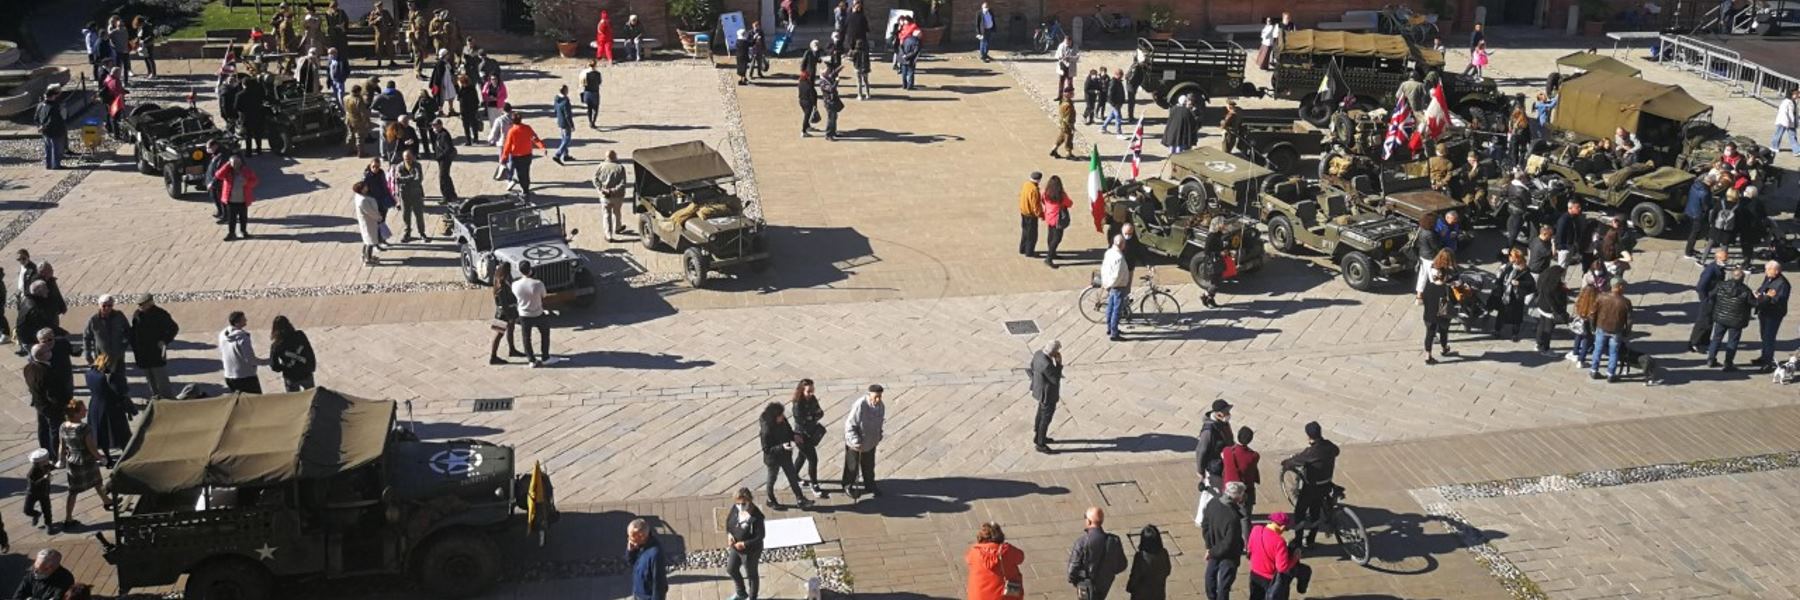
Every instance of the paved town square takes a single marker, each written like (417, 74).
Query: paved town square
(1499, 470)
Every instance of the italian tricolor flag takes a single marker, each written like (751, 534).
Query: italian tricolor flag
(1095, 203)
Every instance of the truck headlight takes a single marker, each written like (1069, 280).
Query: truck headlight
(199, 155)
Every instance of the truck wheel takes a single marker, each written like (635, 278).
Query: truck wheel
(1313, 111)
(1649, 218)
(1359, 270)
(172, 181)
(1282, 158)
(1196, 265)
(230, 578)
(647, 232)
(1281, 233)
(1177, 92)
(468, 268)
(141, 149)
(459, 564)
(694, 264)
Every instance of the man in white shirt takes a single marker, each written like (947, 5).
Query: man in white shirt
(530, 293)
(1787, 117)
(1115, 276)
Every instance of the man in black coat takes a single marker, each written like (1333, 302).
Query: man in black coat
(1092, 91)
(1570, 239)
(53, 126)
(1710, 277)
(1092, 563)
(1214, 436)
(228, 94)
(1223, 531)
(1183, 127)
(152, 330)
(253, 116)
(1134, 78)
(1731, 302)
(47, 579)
(1771, 308)
(1552, 304)
(443, 145)
(217, 155)
(1046, 388)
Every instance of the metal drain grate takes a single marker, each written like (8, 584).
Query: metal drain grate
(1025, 327)
(1121, 493)
(493, 404)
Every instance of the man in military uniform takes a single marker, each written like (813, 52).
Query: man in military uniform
(1472, 186)
(1440, 169)
(445, 35)
(337, 29)
(1413, 92)
(418, 36)
(1231, 126)
(384, 25)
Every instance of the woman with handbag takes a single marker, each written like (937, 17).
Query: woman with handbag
(1212, 263)
(777, 439)
(1056, 204)
(1436, 300)
(82, 457)
(506, 314)
(808, 432)
(994, 566)
(744, 528)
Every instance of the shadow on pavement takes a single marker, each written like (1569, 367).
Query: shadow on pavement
(943, 495)
(877, 135)
(619, 359)
(1143, 442)
(1399, 543)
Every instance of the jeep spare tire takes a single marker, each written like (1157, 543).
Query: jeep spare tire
(1315, 112)
(459, 564)
(1359, 270)
(1649, 218)
(1193, 196)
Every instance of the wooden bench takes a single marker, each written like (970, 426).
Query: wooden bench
(649, 44)
(1230, 31)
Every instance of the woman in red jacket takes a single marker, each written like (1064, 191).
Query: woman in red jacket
(1056, 216)
(237, 190)
(994, 566)
(603, 38)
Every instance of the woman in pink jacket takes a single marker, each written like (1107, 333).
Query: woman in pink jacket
(603, 38)
(1056, 215)
(1273, 565)
(237, 190)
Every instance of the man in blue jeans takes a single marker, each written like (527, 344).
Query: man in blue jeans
(565, 123)
(909, 60)
(1612, 318)
(984, 30)
(1115, 276)
(53, 126)
(1771, 307)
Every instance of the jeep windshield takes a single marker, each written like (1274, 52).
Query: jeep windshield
(512, 227)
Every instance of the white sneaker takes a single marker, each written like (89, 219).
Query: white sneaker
(1570, 357)
(551, 360)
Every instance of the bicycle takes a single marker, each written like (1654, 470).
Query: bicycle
(1338, 520)
(1155, 301)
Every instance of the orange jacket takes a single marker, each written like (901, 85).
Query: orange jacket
(519, 140)
(990, 566)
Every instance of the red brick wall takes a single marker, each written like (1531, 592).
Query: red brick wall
(1202, 15)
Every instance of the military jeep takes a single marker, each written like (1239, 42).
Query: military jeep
(1363, 245)
(171, 141)
(1673, 126)
(1652, 195)
(1373, 67)
(298, 117)
(494, 229)
(1166, 228)
(242, 492)
(687, 200)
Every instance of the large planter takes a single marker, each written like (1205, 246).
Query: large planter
(1593, 28)
(1161, 35)
(931, 37)
(567, 49)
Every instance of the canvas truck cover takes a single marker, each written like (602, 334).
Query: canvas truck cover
(681, 163)
(1597, 102)
(1588, 61)
(1344, 43)
(249, 439)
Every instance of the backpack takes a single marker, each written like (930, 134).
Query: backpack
(1115, 555)
(1726, 218)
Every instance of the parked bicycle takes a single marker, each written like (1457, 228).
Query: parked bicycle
(1152, 301)
(1048, 34)
(1338, 519)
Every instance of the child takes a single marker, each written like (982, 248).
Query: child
(37, 491)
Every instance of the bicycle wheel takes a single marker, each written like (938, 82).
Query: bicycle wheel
(1290, 486)
(1158, 306)
(1092, 305)
(1350, 534)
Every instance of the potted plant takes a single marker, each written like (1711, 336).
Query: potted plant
(1594, 14)
(692, 17)
(555, 20)
(1162, 21)
(932, 26)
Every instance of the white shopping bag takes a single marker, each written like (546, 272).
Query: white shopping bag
(1206, 496)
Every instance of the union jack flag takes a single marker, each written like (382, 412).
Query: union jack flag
(1397, 131)
(1136, 155)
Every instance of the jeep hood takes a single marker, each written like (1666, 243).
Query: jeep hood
(251, 440)
(1663, 178)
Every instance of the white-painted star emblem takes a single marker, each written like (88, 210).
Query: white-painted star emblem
(266, 552)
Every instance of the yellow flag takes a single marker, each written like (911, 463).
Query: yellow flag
(534, 494)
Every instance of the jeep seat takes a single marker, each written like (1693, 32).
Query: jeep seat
(1308, 212)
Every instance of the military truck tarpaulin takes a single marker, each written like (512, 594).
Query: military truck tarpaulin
(1595, 103)
(249, 439)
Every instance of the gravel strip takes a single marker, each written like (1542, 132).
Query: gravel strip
(353, 289)
(740, 146)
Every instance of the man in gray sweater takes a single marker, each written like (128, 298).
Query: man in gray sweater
(238, 355)
(862, 432)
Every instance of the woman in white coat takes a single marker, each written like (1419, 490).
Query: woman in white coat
(368, 221)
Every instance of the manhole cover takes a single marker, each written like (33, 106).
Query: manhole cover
(493, 404)
(1122, 493)
(1025, 327)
